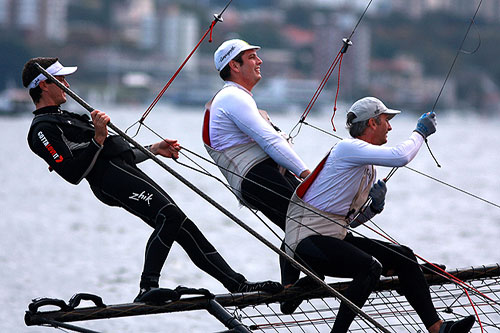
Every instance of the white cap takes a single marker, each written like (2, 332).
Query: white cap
(230, 49)
(56, 69)
(369, 107)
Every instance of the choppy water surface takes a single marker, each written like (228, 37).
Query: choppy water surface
(57, 239)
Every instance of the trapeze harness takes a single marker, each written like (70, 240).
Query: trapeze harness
(234, 162)
(304, 220)
(251, 153)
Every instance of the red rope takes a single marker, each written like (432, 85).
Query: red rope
(463, 285)
(211, 30)
(475, 311)
(337, 93)
(446, 275)
(336, 61)
(155, 101)
(320, 87)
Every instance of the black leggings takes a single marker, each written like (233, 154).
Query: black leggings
(363, 260)
(273, 206)
(123, 184)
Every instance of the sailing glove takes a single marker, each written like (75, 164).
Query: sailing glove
(377, 193)
(426, 124)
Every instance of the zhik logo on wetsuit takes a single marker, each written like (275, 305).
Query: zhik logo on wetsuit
(142, 196)
(58, 158)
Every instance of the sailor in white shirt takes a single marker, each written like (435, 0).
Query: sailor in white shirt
(338, 189)
(243, 142)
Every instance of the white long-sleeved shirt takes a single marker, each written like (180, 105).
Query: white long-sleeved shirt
(235, 120)
(337, 183)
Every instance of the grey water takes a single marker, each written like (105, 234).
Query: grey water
(57, 239)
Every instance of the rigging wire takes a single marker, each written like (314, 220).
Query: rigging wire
(461, 283)
(337, 61)
(451, 278)
(385, 235)
(360, 19)
(393, 170)
(314, 98)
(281, 253)
(205, 172)
(459, 50)
(119, 133)
(217, 18)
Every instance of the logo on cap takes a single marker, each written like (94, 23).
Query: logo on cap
(36, 81)
(227, 53)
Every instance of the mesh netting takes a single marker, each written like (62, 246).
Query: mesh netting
(387, 307)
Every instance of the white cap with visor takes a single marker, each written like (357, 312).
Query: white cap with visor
(229, 50)
(369, 107)
(56, 69)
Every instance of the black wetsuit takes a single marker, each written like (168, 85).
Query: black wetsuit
(65, 141)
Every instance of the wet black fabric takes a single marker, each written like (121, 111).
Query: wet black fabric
(266, 189)
(258, 187)
(353, 258)
(123, 184)
(64, 141)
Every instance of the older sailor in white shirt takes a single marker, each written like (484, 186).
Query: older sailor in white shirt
(333, 197)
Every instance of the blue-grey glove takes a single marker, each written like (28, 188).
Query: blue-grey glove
(426, 124)
(377, 193)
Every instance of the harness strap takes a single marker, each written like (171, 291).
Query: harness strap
(304, 186)
(206, 125)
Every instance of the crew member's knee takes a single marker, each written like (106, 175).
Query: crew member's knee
(171, 215)
(374, 271)
(407, 258)
(406, 251)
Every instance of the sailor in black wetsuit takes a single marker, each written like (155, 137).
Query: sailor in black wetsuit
(77, 147)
